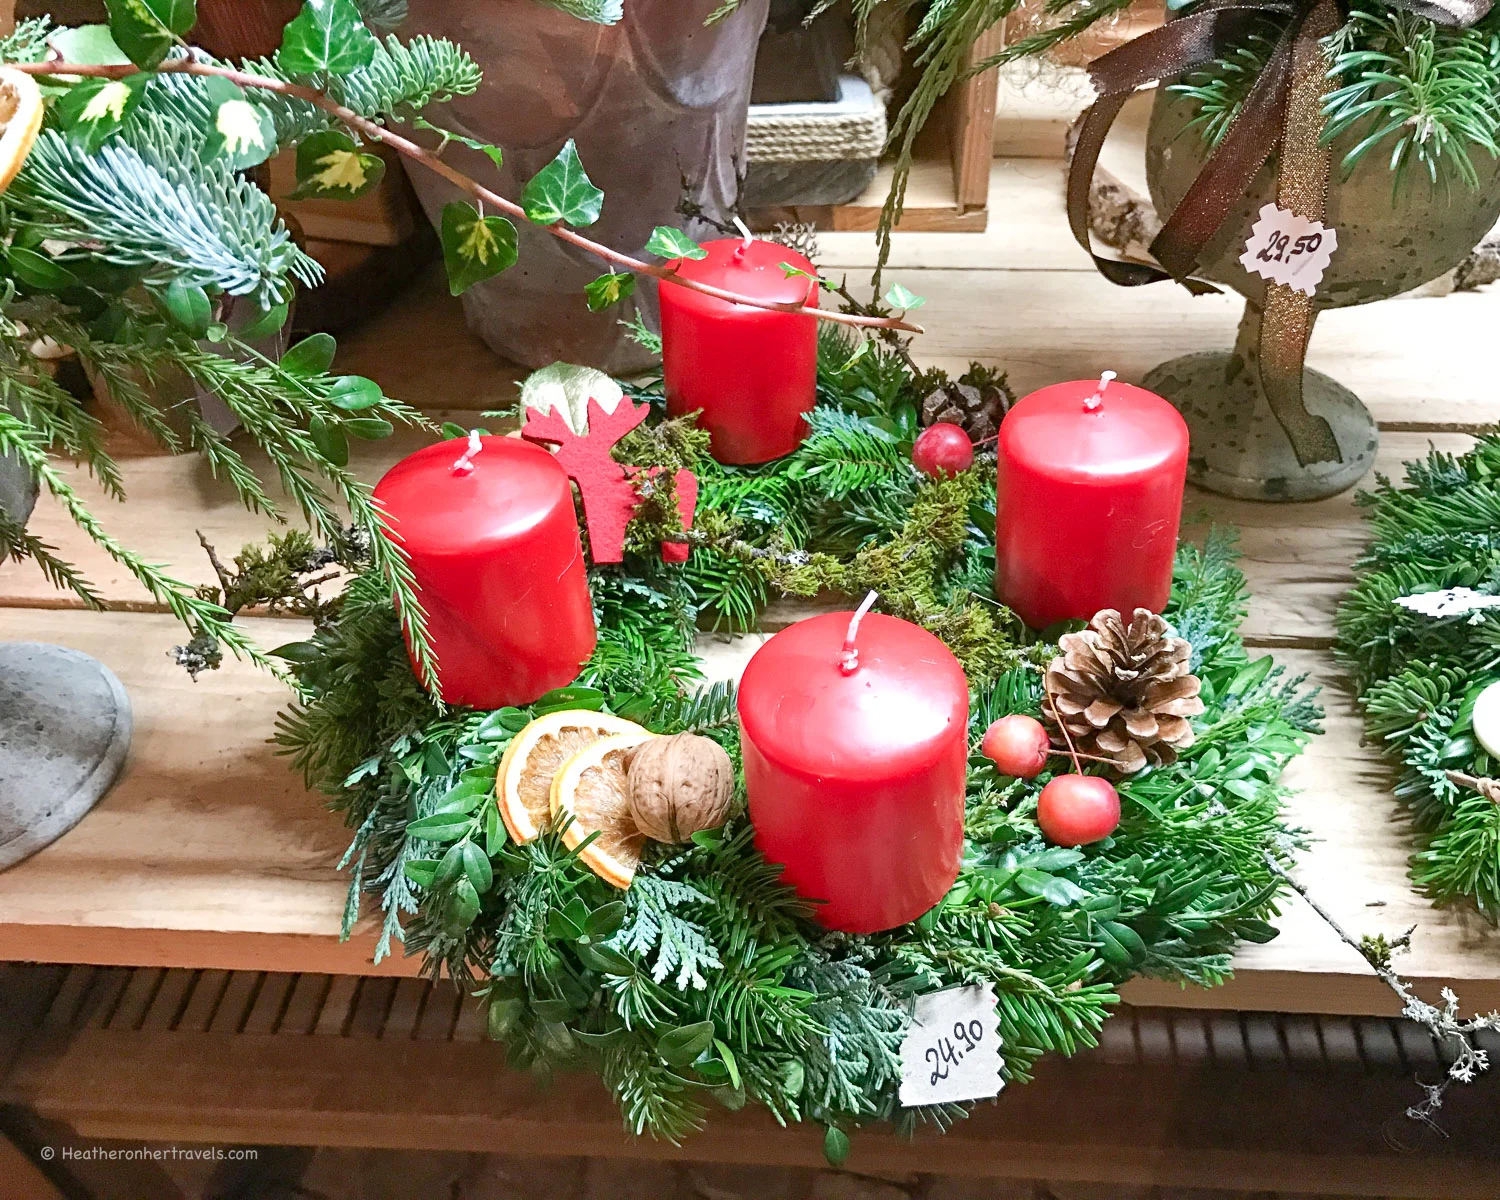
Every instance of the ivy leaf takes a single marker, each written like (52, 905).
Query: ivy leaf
(673, 243)
(187, 305)
(240, 132)
(488, 149)
(354, 392)
(327, 35)
(94, 110)
(313, 355)
(562, 191)
(474, 247)
(899, 297)
(608, 289)
(93, 44)
(331, 167)
(147, 29)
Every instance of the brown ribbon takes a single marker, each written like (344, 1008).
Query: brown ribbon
(1283, 107)
(1301, 188)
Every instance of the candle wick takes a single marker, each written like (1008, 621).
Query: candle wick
(465, 464)
(1094, 401)
(849, 656)
(745, 232)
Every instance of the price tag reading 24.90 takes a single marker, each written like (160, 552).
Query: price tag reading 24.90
(1289, 249)
(952, 1051)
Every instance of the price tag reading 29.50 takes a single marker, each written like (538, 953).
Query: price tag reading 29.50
(1289, 249)
(952, 1050)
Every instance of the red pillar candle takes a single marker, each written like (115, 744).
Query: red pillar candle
(855, 767)
(1090, 497)
(492, 536)
(752, 372)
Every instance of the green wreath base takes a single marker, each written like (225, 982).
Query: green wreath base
(706, 983)
(1419, 676)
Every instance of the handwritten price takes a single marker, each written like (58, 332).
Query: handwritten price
(1276, 250)
(1289, 249)
(944, 1054)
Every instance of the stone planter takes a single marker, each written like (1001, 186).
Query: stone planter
(1389, 241)
(64, 722)
(657, 105)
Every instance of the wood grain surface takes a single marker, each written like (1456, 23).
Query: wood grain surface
(211, 855)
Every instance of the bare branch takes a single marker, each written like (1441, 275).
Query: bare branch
(379, 133)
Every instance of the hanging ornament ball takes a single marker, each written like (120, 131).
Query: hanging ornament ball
(1487, 719)
(679, 786)
(1074, 810)
(1018, 745)
(942, 449)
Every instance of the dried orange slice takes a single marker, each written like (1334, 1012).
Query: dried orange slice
(537, 754)
(594, 789)
(20, 120)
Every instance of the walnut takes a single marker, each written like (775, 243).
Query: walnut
(680, 785)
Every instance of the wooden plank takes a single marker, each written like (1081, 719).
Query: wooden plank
(23, 1181)
(1298, 557)
(209, 854)
(170, 1001)
(972, 108)
(207, 992)
(1357, 869)
(1177, 1125)
(931, 202)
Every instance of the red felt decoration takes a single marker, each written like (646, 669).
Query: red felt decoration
(609, 494)
(687, 506)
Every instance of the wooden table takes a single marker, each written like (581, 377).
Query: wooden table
(210, 854)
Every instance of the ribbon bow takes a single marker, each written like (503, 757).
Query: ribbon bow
(1283, 109)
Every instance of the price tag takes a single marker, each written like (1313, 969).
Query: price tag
(952, 1050)
(1289, 249)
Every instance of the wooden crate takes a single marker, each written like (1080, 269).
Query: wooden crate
(949, 187)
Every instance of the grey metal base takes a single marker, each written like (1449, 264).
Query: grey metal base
(1238, 448)
(64, 734)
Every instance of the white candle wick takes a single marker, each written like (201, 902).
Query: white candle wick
(849, 656)
(465, 464)
(745, 231)
(1097, 398)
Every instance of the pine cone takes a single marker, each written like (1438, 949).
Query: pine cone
(975, 402)
(1124, 693)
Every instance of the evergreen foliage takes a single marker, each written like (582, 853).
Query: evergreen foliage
(1420, 94)
(1418, 676)
(706, 981)
(133, 236)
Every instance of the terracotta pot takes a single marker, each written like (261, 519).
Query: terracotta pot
(657, 105)
(1390, 240)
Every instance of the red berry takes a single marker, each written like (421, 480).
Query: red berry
(1074, 810)
(942, 449)
(1018, 745)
